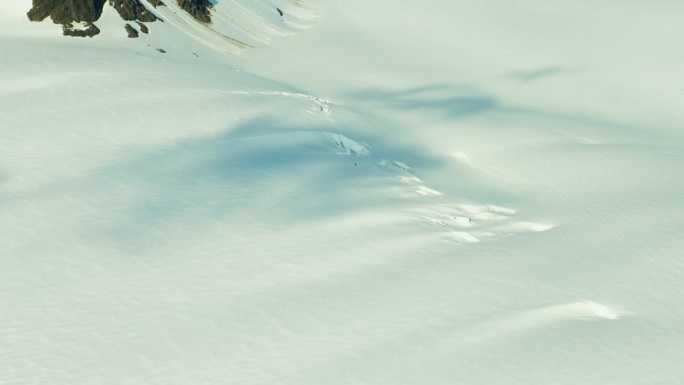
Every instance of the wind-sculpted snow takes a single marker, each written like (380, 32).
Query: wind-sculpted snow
(459, 193)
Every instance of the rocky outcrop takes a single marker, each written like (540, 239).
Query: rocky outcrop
(143, 28)
(132, 32)
(69, 12)
(199, 9)
(132, 10)
(65, 12)
(89, 31)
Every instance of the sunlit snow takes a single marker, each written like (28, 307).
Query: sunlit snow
(355, 192)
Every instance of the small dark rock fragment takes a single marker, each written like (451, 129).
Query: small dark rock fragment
(280, 12)
(132, 32)
(143, 28)
(161, 50)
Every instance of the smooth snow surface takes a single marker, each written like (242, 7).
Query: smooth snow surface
(383, 192)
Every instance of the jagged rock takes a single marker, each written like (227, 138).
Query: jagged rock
(90, 31)
(132, 32)
(199, 9)
(130, 10)
(65, 12)
(143, 28)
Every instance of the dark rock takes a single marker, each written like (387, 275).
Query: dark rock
(65, 12)
(161, 50)
(143, 28)
(132, 32)
(130, 10)
(280, 12)
(90, 31)
(199, 9)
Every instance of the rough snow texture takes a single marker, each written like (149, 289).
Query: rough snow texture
(404, 193)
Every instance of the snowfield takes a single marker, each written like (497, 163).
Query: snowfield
(354, 192)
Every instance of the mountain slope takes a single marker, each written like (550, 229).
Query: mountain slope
(469, 193)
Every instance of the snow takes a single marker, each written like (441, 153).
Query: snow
(383, 192)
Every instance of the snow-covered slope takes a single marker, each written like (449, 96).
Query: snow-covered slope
(453, 193)
(238, 24)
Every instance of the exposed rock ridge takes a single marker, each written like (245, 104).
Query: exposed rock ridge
(66, 11)
(199, 9)
(69, 12)
(132, 10)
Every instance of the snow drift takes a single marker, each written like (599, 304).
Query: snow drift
(468, 193)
